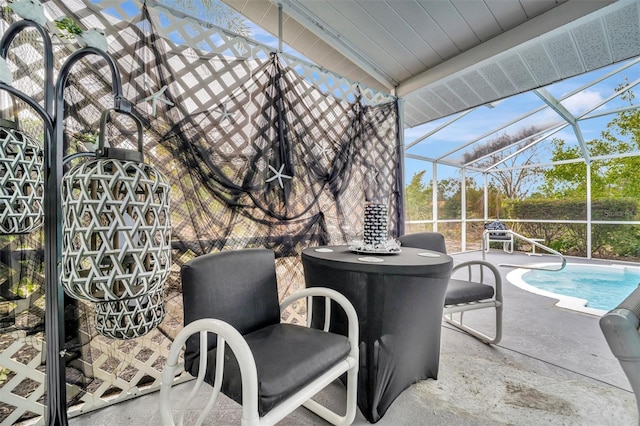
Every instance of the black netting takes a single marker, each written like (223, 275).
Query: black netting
(255, 154)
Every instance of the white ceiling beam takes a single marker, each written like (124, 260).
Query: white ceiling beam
(566, 115)
(437, 129)
(542, 24)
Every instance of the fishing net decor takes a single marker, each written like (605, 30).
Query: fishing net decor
(259, 150)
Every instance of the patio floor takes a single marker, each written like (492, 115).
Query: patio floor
(552, 367)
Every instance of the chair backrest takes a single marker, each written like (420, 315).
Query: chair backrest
(238, 287)
(425, 240)
(496, 225)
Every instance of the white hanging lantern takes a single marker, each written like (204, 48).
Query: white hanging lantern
(21, 180)
(130, 318)
(116, 232)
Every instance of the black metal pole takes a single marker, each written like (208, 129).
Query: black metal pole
(5, 43)
(56, 412)
(54, 299)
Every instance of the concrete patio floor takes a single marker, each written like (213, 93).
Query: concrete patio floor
(552, 367)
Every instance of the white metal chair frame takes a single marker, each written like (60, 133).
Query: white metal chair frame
(236, 342)
(468, 293)
(495, 302)
(506, 239)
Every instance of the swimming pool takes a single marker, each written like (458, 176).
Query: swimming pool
(587, 288)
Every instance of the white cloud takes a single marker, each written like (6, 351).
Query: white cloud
(582, 101)
(576, 105)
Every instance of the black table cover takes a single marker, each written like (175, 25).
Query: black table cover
(399, 303)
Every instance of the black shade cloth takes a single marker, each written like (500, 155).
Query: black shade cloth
(399, 303)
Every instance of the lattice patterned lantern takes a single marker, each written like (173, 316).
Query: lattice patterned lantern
(21, 180)
(130, 318)
(116, 238)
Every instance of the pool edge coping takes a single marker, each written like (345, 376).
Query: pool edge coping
(567, 302)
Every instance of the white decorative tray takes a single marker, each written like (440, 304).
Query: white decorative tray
(362, 250)
(389, 247)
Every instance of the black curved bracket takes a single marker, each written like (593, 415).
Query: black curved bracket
(52, 115)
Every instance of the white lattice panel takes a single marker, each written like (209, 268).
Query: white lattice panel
(118, 371)
(21, 377)
(208, 39)
(123, 370)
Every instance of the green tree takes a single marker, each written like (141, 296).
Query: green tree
(449, 199)
(565, 180)
(615, 177)
(450, 196)
(511, 150)
(612, 179)
(418, 198)
(475, 200)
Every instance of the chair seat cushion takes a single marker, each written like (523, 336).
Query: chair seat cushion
(287, 358)
(460, 291)
(499, 237)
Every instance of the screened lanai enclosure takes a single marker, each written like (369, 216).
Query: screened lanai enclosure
(263, 148)
(558, 164)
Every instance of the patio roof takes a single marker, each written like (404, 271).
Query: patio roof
(447, 56)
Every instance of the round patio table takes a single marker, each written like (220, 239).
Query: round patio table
(399, 299)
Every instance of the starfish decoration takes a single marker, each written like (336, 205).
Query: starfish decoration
(155, 98)
(224, 114)
(277, 174)
(324, 150)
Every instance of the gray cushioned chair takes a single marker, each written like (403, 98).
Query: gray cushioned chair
(475, 284)
(269, 367)
(621, 329)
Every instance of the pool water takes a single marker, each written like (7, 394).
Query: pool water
(604, 287)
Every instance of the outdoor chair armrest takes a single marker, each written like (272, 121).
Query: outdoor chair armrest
(620, 328)
(330, 294)
(469, 293)
(236, 342)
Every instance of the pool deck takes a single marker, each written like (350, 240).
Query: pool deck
(552, 367)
